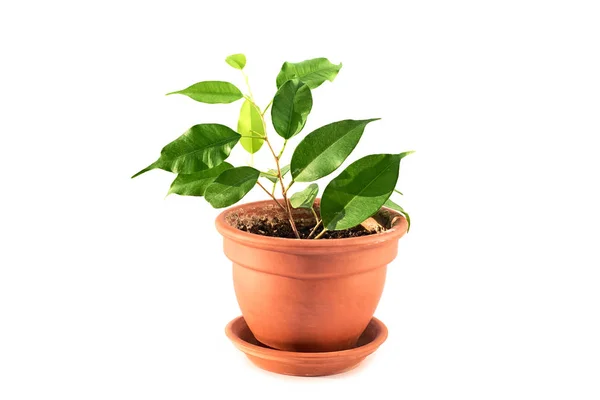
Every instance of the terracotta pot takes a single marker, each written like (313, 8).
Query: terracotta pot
(306, 295)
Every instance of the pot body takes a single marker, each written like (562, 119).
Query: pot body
(306, 295)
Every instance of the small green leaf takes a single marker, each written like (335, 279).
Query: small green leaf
(291, 105)
(272, 173)
(212, 92)
(251, 124)
(390, 204)
(312, 72)
(231, 186)
(322, 151)
(305, 198)
(359, 191)
(201, 147)
(237, 61)
(195, 184)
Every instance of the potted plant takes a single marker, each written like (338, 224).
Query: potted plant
(308, 272)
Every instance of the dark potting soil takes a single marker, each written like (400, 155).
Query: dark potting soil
(278, 227)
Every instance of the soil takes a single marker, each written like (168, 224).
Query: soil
(279, 227)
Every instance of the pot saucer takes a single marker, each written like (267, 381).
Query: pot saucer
(305, 363)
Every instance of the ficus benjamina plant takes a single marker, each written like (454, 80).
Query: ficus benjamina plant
(198, 156)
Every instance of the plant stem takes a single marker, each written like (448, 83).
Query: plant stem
(290, 216)
(320, 234)
(315, 214)
(282, 149)
(289, 186)
(266, 108)
(272, 196)
(285, 199)
(317, 220)
(272, 151)
(288, 206)
(248, 86)
(314, 229)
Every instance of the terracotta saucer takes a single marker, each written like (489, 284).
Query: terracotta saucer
(301, 363)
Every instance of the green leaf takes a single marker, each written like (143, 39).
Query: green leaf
(272, 173)
(359, 191)
(212, 92)
(390, 204)
(291, 105)
(312, 72)
(306, 197)
(201, 147)
(237, 61)
(251, 124)
(322, 151)
(231, 186)
(196, 184)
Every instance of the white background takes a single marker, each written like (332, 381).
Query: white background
(110, 291)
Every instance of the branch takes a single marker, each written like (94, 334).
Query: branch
(314, 213)
(267, 107)
(248, 86)
(320, 234)
(273, 152)
(289, 186)
(270, 195)
(314, 229)
(283, 148)
(283, 191)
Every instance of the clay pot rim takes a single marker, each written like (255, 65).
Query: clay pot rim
(267, 353)
(395, 232)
